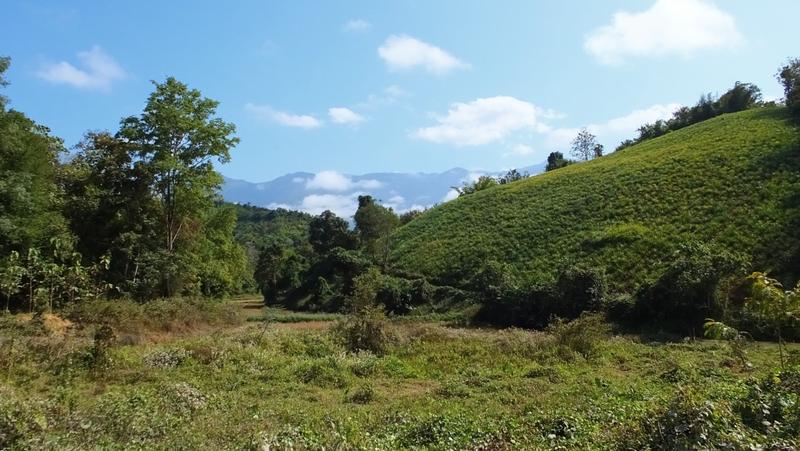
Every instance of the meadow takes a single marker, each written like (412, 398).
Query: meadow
(161, 381)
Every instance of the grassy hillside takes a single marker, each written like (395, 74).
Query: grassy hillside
(733, 180)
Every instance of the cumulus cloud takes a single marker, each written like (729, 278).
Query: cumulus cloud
(267, 113)
(452, 194)
(483, 121)
(402, 52)
(344, 205)
(357, 25)
(341, 115)
(336, 181)
(622, 126)
(520, 150)
(669, 27)
(99, 71)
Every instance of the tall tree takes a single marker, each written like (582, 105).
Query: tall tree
(177, 137)
(583, 146)
(374, 224)
(556, 160)
(328, 231)
(29, 196)
(789, 76)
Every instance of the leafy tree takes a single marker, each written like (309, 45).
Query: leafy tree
(409, 216)
(481, 184)
(512, 176)
(176, 138)
(556, 160)
(5, 62)
(772, 306)
(328, 231)
(374, 224)
(789, 76)
(109, 204)
(11, 274)
(742, 96)
(598, 150)
(583, 146)
(29, 197)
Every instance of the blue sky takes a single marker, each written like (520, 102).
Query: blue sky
(400, 86)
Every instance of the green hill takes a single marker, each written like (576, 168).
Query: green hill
(733, 181)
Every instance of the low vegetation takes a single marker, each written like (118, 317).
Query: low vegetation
(292, 386)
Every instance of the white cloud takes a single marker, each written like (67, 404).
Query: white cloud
(344, 205)
(99, 71)
(452, 194)
(485, 120)
(669, 27)
(615, 128)
(402, 52)
(336, 181)
(266, 112)
(357, 25)
(520, 150)
(341, 115)
(389, 96)
(631, 122)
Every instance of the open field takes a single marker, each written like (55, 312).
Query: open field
(242, 385)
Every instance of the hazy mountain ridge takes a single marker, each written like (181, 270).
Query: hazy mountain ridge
(338, 192)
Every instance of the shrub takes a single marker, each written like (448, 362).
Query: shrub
(363, 331)
(772, 405)
(583, 335)
(691, 289)
(364, 394)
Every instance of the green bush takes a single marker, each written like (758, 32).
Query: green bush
(583, 336)
(365, 330)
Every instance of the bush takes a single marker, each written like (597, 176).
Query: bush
(583, 335)
(364, 394)
(691, 289)
(365, 330)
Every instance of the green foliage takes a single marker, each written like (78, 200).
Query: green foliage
(692, 288)
(737, 340)
(328, 231)
(773, 307)
(582, 336)
(374, 225)
(483, 182)
(789, 76)
(556, 160)
(742, 96)
(731, 181)
(365, 329)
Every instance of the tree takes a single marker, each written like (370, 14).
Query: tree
(583, 146)
(598, 150)
(374, 224)
(11, 277)
(556, 160)
(741, 97)
(177, 137)
(5, 62)
(512, 176)
(328, 231)
(774, 307)
(29, 200)
(789, 76)
(481, 184)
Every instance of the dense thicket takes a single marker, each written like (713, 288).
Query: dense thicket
(134, 213)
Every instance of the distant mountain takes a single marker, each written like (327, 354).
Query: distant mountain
(329, 190)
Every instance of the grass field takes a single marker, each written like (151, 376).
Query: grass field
(732, 180)
(292, 386)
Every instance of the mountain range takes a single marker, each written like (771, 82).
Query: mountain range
(330, 190)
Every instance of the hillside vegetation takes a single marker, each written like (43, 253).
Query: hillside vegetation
(732, 182)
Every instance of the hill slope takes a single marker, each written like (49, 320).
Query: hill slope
(733, 180)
